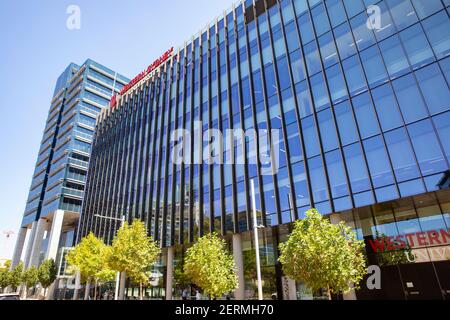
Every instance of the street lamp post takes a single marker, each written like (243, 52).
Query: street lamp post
(122, 221)
(255, 232)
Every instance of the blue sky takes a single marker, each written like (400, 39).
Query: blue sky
(36, 46)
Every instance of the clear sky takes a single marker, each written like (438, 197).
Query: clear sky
(36, 46)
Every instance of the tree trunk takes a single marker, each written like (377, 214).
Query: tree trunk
(123, 278)
(140, 291)
(95, 289)
(329, 293)
(87, 289)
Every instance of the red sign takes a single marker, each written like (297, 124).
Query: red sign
(142, 75)
(411, 240)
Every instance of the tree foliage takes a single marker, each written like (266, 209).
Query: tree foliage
(4, 278)
(90, 257)
(210, 266)
(16, 276)
(323, 255)
(47, 273)
(133, 252)
(31, 277)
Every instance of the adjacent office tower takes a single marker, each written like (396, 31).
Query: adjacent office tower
(54, 202)
(363, 112)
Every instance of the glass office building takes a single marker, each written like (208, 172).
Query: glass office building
(363, 112)
(53, 207)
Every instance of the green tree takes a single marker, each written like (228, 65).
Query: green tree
(30, 278)
(6, 265)
(47, 274)
(133, 253)
(5, 275)
(90, 258)
(16, 276)
(323, 255)
(210, 266)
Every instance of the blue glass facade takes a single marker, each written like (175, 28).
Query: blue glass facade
(363, 115)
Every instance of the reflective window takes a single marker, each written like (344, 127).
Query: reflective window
(427, 148)
(312, 58)
(344, 41)
(409, 98)
(394, 57)
(386, 107)
(363, 36)
(365, 116)
(306, 30)
(346, 123)
(416, 46)
(336, 84)
(437, 29)
(356, 168)
(387, 26)
(310, 137)
(320, 19)
(301, 6)
(434, 88)
(301, 187)
(318, 181)
(336, 174)
(295, 148)
(336, 12)
(354, 75)
(292, 37)
(353, 7)
(303, 99)
(426, 8)
(327, 130)
(298, 71)
(378, 162)
(411, 187)
(402, 12)
(328, 50)
(401, 154)
(319, 92)
(283, 73)
(442, 123)
(373, 66)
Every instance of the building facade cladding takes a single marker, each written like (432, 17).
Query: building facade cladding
(363, 116)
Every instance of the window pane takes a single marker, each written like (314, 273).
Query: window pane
(301, 187)
(353, 7)
(328, 50)
(356, 168)
(363, 36)
(344, 41)
(319, 91)
(354, 75)
(394, 56)
(336, 84)
(402, 12)
(427, 148)
(336, 173)
(426, 8)
(434, 88)
(373, 66)
(327, 130)
(365, 116)
(409, 99)
(386, 107)
(312, 58)
(378, 161)
(310, 137)
(346, 123)
(437, 29)
(401, 154)
(298, 71)
(336, 12)
(442, 123)
(306, 30)
(320, 19)
(416, 46)
(318, 181)
(387, 25)
(303, 99)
